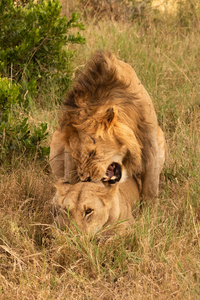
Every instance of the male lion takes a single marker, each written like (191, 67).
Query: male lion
(92, 206)
(108, 118)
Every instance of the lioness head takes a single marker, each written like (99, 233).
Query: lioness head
(87, 204)
(93, 206)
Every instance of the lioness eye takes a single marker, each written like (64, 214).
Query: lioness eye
(88, 211)
(67, 212)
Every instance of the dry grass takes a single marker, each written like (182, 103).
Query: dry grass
(159, 258)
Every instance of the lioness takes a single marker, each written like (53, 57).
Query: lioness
(108, 117)
(92, 206)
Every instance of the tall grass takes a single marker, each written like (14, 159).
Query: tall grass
(159, 257)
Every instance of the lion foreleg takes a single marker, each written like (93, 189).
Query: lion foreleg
(151, 176)
(70, 171)
(150, 181)
(60, 159)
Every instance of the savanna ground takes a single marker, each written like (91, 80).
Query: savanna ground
(159, 257)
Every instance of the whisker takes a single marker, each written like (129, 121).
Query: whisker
(59, 155)
(71, 172)
(77, 160)
(77, 180)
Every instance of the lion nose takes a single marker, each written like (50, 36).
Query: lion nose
(88, 179)
(81, 176)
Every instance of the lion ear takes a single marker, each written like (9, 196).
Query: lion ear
(110, 117)
(70, 131)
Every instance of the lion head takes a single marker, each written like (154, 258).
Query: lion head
(97, 156)
(92, 206)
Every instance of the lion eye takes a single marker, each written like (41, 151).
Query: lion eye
(94, 142)
(92, 153)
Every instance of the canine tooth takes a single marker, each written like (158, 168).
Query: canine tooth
(113, 178)
(106, 178)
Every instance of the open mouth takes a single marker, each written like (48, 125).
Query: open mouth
(113, 173)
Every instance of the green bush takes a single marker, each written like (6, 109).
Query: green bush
(9, 94)
(32, 54)
(16, 136)
(32, 36)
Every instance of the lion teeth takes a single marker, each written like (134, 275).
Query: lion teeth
(106, 179)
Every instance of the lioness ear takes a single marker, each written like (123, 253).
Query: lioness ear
(62, 186)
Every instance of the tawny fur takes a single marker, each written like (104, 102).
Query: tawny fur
(108, 117)
(92, 206)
